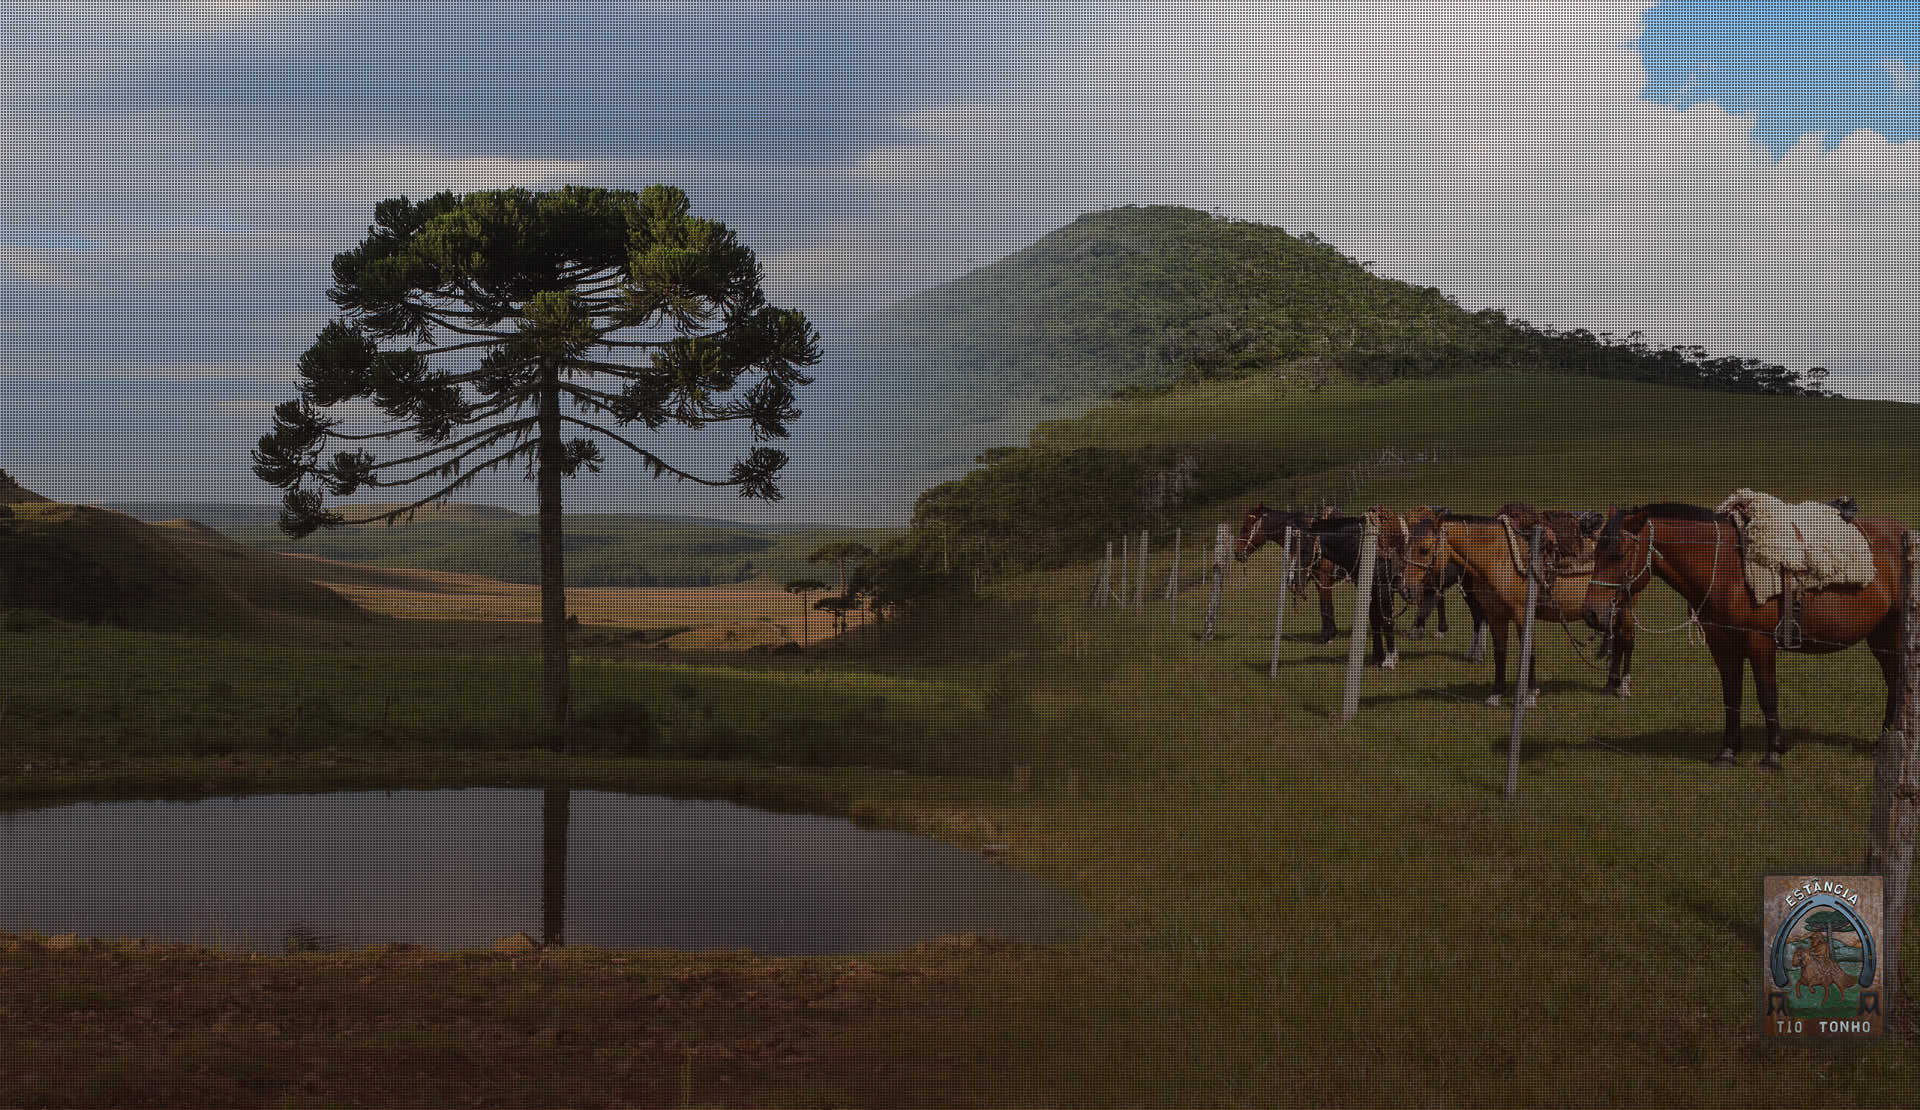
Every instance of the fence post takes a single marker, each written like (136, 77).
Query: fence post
(1140, 578)
(1362, 612)
(1126, 564)
(1104, 582)
(1524, 684)
(1173, 584)
(1896, 779)
(1280, 607)
(1220, 548)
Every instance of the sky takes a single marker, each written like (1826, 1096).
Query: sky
(175, 179)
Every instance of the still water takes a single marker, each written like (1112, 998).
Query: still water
(463, 868)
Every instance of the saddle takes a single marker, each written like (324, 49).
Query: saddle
(1792, 550)
(1566, 545)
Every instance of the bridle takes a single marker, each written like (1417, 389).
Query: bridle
(1624, 589)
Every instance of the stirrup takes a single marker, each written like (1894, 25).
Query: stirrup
(1793, 606)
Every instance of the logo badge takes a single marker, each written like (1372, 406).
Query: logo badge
(1821, 973)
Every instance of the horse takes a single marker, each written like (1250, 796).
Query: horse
(1819, 970)
(1479, 545)
(1335, 552)
(1699, 553)
(1261, 525)
(1395, 530)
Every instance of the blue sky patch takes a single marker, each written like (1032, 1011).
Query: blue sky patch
(1792, 69)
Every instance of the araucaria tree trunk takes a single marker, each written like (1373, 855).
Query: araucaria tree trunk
(553, 557)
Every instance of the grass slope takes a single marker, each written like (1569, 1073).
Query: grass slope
(602, 549)
(81, 563)
(1570, 441)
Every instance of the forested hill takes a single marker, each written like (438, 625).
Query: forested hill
(1144, 297)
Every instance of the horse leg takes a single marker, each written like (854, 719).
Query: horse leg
(1732, 664)
(1382, 620)
(1620, 656)
(1761, 650)
(1499, 662)
(1477, 651)
(1327, 630)
(1884, 642)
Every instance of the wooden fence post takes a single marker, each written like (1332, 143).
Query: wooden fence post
(1173, 584)
(1362, 612)
(1140, 578)
(1104, 583)
(1126, 564)
(1280, 606)
(1220, 548)
(1896, 780)
(1524, 684)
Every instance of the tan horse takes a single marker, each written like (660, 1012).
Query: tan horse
(1819, 970)
(1499, 586)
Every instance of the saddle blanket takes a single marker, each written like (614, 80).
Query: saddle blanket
(1809, 539)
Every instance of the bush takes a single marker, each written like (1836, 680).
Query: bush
(25, 620)
(623, 725)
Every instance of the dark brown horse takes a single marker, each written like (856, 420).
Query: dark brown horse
(1263, 525)
(1333, 544)
(1479, 545)
(1700, 554)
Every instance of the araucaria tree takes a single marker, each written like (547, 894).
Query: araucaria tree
(520, 327)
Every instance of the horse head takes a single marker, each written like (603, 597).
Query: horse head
(1622, 565)
(1423, 554)
(1253, 528)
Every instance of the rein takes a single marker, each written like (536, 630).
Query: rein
(1696, 633)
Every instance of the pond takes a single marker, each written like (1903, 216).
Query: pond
(462, 868)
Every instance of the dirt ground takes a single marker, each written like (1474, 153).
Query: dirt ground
(84, 1024)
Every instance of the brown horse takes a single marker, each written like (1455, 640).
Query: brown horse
(1700, 554)
(1396, 530)
(1819, 970)
(1479, 545)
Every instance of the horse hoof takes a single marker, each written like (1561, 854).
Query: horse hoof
(1390, 662)
(1625, 689)
(1533, 699)
(1493, 701)
(1724, 759)
(1771, 762)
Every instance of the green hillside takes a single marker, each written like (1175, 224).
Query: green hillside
(91, 565)
(1200, 453)
(1139, 298)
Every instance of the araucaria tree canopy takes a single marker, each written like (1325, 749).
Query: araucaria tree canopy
(514, 325)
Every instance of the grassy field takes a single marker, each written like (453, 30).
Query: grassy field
(1290, 911)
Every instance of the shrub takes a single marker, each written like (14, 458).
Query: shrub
(621, 725)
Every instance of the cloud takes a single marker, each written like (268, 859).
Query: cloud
(1903, 76)
(1501, 152)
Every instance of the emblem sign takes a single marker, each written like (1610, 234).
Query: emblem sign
(1821, 973)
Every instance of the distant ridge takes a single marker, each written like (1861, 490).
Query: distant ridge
(13, 493)
(94, 565)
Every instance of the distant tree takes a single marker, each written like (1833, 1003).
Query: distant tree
(841, 552)
(532, 296)
(839, 605)
(800, 588)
